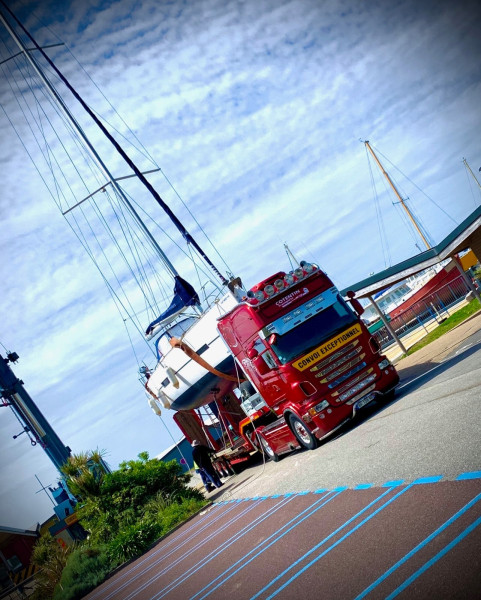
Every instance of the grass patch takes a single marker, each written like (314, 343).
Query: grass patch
(455, 319)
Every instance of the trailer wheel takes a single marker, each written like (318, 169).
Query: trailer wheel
(302, 433)
(268, 450)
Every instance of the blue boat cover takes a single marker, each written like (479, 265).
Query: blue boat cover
(184, 295)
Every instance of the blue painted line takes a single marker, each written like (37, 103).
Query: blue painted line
(276, 496)
(339, 541)
(320, 491)
(289, 494)
(417, 548)
(435, 558)
(304, 493)
(170, 565)
(340, 488)
(363, 486)
(433, 479)
(242, 561)
(201, 563)
(326, 539)
(172, 546)
(469, 475)
(395, 483)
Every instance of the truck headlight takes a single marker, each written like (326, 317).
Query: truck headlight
(317, 409)
(384, 364)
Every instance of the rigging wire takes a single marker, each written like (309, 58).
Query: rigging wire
(407, 222)
(114, 295)
(416, 186)
(48, 157)
(470, 184)
(141, 148)
(380, 221)
(421, 225)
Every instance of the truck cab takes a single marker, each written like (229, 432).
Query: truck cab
(307, 354)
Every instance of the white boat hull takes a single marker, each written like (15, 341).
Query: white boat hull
(182, 384)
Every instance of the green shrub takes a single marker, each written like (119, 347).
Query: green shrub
(176, 513)
(132, 541)
(86, 568)
(51, 559)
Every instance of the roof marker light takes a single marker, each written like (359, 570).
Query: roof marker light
(307, 267)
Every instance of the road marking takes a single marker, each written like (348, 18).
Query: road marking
(469, 475)
(463, 349)
(416, 549)
(309, 552)
(204, 560)
(331, 547)
(422, 375)
(127, 573)
(433, 479)
(276, 537)
(394, 483)
(435, 559)
(182, 557)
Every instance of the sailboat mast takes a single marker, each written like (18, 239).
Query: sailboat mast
(403, 204)
(188, 238)
(469, 169)
(58, 100)
(290, 256)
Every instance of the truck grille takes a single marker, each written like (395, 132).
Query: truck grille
(347, 375)
(347, 352)
(344, 372)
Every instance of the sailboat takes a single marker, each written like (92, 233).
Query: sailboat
(192, 361)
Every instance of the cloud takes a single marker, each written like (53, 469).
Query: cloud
(254, 111)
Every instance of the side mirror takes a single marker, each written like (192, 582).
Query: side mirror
(260, 365)
(272, 339)
(252, 353)
(356, 305)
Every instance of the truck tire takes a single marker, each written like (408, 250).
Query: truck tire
(305, 438)
(268, 451)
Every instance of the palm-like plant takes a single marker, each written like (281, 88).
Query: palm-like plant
(85, 473)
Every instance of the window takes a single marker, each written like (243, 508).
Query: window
(314, 331)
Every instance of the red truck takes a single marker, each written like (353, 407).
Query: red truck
(310, 360)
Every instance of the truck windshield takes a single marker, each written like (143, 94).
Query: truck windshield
(313, 332)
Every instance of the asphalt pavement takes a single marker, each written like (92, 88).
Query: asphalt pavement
(383, 443)
(390, 507)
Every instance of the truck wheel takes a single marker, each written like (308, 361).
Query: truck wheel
(302, 433)
(268, 450)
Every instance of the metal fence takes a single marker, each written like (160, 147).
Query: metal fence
(433, 307)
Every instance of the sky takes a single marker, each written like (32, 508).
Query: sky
(255, 112)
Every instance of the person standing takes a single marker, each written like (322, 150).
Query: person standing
(207, 482)
(201, 456)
